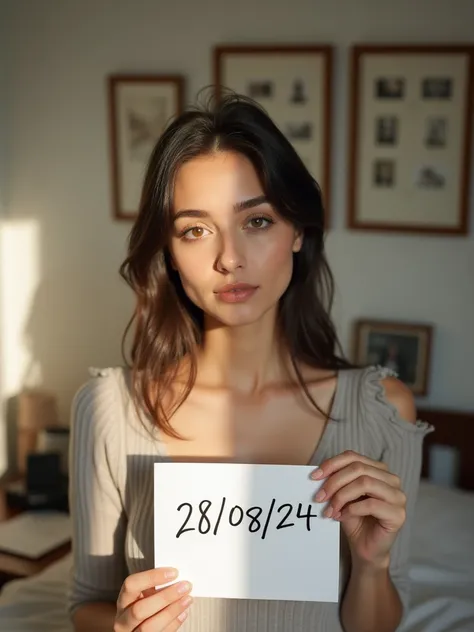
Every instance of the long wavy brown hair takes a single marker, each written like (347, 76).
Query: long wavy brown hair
(168, 327)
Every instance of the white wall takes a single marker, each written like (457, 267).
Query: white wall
(67, 309)
(4, 133)
(3, 108)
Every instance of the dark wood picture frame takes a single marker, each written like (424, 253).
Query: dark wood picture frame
(415, 377)
(432, 173)
(322, 51)
(146, 132)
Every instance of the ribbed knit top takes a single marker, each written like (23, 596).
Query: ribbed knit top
(111, 496)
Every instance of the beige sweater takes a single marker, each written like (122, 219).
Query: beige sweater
(111, 494)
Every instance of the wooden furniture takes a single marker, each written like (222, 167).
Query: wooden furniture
(14, 566)
(452, 428)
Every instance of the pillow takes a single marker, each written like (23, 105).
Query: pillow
(443, 529)
(442, 561)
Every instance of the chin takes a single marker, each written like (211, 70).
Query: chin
(239, 322)
(235, 317)
(243, 314)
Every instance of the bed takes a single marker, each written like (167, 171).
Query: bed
(442, 558)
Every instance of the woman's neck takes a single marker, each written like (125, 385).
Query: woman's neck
(244, 359)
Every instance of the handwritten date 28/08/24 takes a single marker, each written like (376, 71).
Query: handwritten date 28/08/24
(258, 519)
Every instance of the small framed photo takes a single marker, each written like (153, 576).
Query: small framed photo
(384, 173)
(140, 107)
(386, 130)
(411, 111)
(437, 88)
(436, 131)
(389, 88)
(293, 84)
(403, 347)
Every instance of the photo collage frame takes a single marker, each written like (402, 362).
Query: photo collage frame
(410, 126)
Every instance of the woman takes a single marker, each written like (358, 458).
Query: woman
(234, 359)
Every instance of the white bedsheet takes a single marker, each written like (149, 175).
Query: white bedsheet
(37, 604)
(442, 572)
(442, 562)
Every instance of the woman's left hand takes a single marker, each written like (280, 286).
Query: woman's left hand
(367, 499)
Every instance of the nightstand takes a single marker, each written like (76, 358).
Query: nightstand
(14, 566)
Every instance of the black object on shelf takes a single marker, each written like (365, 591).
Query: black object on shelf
(45, 486)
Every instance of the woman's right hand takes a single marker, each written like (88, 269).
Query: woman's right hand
(143, 608)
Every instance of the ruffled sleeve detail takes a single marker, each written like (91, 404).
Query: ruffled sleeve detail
(379, 407)
(95, 371)
(399, 444)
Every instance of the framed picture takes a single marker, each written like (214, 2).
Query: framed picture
(402, 347)
(139, 109)
(411, 113)
(293, 84)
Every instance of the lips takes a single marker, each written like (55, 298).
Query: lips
(236, 292)
(235, 287)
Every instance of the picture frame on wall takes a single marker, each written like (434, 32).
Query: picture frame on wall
(293, 84)
(411, 111)
(403, 347)
(140, 106)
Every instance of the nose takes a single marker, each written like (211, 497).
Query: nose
(231, 255)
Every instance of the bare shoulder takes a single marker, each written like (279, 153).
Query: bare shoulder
(400, 396)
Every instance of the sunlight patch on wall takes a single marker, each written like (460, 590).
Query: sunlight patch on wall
(19, 279)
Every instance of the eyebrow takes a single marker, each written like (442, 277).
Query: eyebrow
(238, 207)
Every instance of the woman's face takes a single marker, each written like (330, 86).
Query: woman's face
(226, 233)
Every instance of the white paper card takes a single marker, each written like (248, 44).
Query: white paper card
(246, 531)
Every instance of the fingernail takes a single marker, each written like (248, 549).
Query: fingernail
(183, 587)
(185, 601)
(171, 573)
(337, 516)
(317, 474)
(320, 495)
(183, 615)
(329, 511)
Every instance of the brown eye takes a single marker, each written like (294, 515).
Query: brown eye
(194, 233)
(259, 222)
